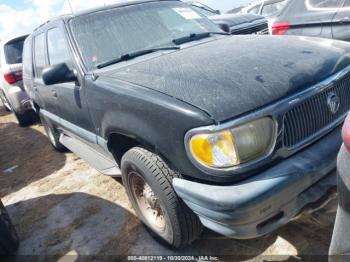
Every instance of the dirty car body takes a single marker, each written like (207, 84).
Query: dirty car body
(252, 135)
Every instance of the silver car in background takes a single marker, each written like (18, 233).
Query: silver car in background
(12, 93)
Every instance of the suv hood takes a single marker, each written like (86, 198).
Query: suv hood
(237, 19)
(237, 74)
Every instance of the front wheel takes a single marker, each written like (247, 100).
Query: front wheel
(148, 182)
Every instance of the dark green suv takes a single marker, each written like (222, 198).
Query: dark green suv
(236, 133)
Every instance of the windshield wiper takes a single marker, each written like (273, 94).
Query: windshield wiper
(195, 37)
(134, 55)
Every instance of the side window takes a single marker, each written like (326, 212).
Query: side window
(324, 3)
(27, 58)
(254, 10)
(39, 54)
(273, 8)
(58, 51)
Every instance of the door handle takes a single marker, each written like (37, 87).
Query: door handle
(54, 94)
(35, 88)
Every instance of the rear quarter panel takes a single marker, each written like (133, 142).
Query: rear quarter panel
(307, 21)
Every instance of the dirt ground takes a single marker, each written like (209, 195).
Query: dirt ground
(60, 206)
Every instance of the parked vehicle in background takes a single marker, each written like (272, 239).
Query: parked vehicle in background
(12, 93)
(235, 10)
(236, 24)
(319, 18)
(266, 8)
(340, 245)
(270, 9)
(203, 132)
(9, 240)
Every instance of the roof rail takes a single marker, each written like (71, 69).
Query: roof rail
(41, 25)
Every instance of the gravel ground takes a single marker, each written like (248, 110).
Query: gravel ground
(60, 206)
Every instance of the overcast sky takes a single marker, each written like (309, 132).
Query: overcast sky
(22, 16)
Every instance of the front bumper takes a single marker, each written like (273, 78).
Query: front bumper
(261, 204)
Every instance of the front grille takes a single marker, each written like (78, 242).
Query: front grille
(256, 29)
(314, 114)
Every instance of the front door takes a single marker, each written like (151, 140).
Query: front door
(73, 112)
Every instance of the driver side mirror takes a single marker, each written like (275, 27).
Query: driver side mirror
(58, 74)
(218, 12)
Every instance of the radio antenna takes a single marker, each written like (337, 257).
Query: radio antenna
(70, 6)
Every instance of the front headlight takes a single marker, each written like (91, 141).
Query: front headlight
(235, 146)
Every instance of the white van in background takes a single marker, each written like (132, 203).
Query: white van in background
(12, 93)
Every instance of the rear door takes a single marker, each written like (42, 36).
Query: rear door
(341, 23)
(46, 95)
(28, 70)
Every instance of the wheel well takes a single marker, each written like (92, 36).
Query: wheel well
(119, 144)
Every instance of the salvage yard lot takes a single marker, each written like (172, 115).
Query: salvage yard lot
(61, 206)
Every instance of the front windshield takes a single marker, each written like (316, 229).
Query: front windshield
(106, 35)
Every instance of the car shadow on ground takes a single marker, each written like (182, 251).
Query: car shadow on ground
(86, 226)
(26, 155)
(73, 224)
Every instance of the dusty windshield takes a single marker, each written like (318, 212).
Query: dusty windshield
(105, 35)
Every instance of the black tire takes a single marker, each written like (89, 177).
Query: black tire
(182, 225)
(27, 118)
(9, 240)
(53, 135)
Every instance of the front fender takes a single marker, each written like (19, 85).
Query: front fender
(148, 116)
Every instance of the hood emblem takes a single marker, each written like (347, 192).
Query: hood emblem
(333, 103)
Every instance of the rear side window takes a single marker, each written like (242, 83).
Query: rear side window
(39, 54)
(27, 58)
(254, 10)
(57, 48)
(13, 52)
(273, 8)
(324, 3)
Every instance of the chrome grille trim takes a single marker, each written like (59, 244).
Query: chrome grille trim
(313, 114)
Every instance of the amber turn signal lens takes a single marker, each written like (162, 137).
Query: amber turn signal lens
(215, 150)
